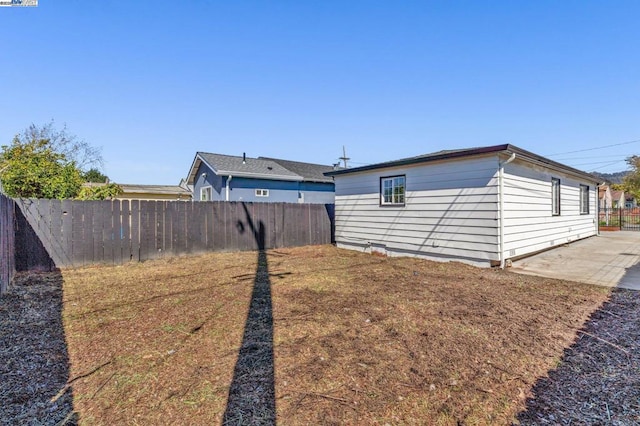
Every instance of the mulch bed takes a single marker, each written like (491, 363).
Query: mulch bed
(33, 354)
(598, 381)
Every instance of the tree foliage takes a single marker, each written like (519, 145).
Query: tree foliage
(43, 162)
(35, 170)
(631, 181)
(99, 192)
(94, 175)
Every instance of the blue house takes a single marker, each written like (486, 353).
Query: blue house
(217, 177)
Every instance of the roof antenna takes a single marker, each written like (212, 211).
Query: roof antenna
(244, 158)
(344, 157)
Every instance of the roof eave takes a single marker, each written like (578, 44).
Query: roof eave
(506, 148)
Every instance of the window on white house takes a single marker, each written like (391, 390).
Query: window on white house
(262, 192)
(205, 193)
(584, 199)
(392, 191)
(555, 197)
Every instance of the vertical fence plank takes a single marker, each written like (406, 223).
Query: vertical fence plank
(108, 231)
(147, 228)
(135, 230)
(7, 242)
(87, 234)
(159, 246)
(76, 213)
(117, 232)
(219, 237)
(125, 234)
(210, 230)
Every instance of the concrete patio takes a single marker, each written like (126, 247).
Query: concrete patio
(611, 259)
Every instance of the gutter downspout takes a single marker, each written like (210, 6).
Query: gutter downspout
(227, 187)
(501, 205)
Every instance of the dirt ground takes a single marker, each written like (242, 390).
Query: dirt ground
(312, 335)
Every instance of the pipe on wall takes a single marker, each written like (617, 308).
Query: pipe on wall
(228, 187)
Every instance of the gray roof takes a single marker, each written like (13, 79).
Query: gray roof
(261, 167)
(309, 172)
(460, 153)
(248, 167)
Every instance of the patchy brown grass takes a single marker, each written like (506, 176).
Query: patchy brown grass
(358, 339)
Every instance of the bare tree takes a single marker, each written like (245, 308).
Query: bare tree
(74, 149)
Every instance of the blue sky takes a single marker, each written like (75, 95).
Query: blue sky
(154, 82)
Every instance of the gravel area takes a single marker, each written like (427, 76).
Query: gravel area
(598, 380)
(33, 354)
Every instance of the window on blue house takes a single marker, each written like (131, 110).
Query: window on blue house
(262, 192)
(205, 193)
(392, 191)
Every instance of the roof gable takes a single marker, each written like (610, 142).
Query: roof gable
(230, 165)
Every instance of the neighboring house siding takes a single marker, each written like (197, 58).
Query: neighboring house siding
(529, 224)
(450, 211)
(244, 189)
(217, 184)
(317, 192)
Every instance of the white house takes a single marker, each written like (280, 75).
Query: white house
(480, 206)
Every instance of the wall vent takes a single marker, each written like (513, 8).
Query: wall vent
(512, 252)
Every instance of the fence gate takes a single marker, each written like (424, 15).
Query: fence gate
(625, 219)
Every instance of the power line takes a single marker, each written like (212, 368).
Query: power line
(590, 157)
(594, 149)
(606, 165)
(594, 163)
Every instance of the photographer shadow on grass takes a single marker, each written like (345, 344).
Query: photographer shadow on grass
(251, 397)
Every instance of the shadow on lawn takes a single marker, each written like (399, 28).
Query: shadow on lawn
(251, 397)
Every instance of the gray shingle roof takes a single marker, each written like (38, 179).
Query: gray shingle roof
(309, 172)
(258, 167)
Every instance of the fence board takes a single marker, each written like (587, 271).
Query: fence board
(75, 215)
(7, 242)
(147, 229)
(135, 230)
(118, 232)
(125, 235)
(159, 245)
(87, 234)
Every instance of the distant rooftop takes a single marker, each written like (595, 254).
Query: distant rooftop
(261, 167)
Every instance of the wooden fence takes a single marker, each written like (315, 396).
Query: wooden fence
(7, 242)
(68, 233)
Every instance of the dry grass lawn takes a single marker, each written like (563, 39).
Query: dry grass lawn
(357, 339)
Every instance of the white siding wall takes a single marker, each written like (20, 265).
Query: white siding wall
(451, 211)
(529, 223)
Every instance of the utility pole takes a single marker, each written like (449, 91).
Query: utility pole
(344, 157)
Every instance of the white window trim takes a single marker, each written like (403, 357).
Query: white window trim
(556, 198)
(203, 189)
(392, 179)
(584, 199)
(262, 192)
